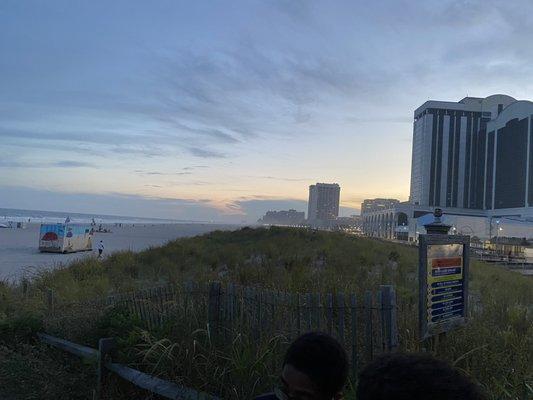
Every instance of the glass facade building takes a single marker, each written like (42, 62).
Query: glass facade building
(474, 154)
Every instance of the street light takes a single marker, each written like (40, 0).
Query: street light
(498, 228)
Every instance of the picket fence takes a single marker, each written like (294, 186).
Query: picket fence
(365, 326)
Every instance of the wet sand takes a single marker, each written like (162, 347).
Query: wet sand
(19, 252)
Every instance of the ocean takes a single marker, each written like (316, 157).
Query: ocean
(37, 216)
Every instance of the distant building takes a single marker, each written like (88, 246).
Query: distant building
(323, 203)
(371, 205)
(353, 221)
(290, 217)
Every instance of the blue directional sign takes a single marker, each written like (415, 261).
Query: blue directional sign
(443, 277)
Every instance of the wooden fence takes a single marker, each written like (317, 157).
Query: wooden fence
(104, 364)
(366, 326)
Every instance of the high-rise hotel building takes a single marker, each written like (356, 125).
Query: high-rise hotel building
(472, 158)
(323, 203)
(475, 154)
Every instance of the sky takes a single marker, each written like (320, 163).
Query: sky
(220, 111)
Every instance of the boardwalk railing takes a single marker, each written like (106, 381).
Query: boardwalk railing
(366, 326)
(102, 357)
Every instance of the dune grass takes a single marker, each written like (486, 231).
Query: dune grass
(495, 348)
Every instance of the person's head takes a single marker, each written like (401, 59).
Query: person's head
(315, 368)
(414, 377)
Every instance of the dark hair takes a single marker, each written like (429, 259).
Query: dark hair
(322, 359)
(414, 377)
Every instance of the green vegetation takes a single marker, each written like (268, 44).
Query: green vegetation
(494, 349)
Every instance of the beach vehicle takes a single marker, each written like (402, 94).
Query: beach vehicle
(65, 238)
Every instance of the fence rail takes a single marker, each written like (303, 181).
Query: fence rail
(140, 379)
(73, 348)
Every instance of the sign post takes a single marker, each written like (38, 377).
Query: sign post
(443, 279)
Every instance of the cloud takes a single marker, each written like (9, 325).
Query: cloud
(192, 99)
(204, 153)
(72, 164)
(245, 92)
(381, 119)
(50, 134)
(113, 204)
(299, 11)
(39, 164)
(275, 178)
(97, 142)
(14, 164)
(218, 135)
(141, 172)
(212, 134)
(195, 167)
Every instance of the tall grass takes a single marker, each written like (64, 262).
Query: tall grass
(495, 347)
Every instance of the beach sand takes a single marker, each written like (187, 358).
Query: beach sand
(19, 254)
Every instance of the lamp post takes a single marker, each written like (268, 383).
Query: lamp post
(437, 227)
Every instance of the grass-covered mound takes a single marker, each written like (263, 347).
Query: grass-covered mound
(495, 348)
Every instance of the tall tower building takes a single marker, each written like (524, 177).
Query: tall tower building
(451, 145)
(472, 158)
(323, 202)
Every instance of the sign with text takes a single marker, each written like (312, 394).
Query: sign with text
(443, 283)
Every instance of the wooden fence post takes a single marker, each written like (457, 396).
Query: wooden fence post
(149, 307)
(298, 314)
(214, 308)
(246, 312)
(188, 298)
(329, 315)
(340, 308)
(105, 348)
(231, 301)
(388, 304)
(317, 311)
(258, 297)
(308, 311)
(382, 319)
(50, 300)
(353, 315)
(368, 325)
(160, 315)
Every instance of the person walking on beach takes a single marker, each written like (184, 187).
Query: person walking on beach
(100, 249)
